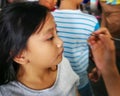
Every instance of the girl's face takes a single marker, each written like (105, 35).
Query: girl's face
(45, 48)
(48, 3)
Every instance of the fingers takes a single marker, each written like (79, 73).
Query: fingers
(102, 48)
(94, 75)
(105, 38)
(104, 31)
(101, 36)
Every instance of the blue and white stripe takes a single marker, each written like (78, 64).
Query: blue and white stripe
(74, 28)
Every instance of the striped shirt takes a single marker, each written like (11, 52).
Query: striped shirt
(74, 28)
(112, 2)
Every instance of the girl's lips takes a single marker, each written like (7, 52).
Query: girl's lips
(61, 51)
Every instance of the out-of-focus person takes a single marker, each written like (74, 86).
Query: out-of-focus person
(110, 16)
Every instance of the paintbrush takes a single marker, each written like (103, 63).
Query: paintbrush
(112, 38)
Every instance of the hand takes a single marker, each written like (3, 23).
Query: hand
(94, 75)
(103, 49)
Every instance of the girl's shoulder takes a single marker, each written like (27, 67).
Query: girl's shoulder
(2, 90)
(7, 89)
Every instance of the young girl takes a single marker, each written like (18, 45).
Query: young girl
(30, 53)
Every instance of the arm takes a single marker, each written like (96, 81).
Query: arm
(78, 94)
(103, 51)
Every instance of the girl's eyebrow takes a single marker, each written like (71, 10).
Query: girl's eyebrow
(49, 30)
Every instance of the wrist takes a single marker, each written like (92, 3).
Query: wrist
(109, 70)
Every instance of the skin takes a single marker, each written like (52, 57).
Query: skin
(50, 4)
(38, 62)
(103, 51)
(99, 46)
(70, 4)
(10, 1)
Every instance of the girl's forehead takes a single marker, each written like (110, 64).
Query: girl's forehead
(47, 24)
(49, 19)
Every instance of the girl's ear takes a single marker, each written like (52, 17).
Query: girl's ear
(21, 58)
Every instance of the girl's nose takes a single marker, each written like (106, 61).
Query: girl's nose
(59, 42)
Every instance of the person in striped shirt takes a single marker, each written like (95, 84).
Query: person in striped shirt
(110, 16)
(74, 28)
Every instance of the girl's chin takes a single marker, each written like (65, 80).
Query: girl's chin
(60, 58)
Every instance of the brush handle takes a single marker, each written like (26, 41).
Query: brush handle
(112, 38)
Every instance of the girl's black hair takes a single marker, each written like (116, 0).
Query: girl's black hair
(18, 21)
(4, 3)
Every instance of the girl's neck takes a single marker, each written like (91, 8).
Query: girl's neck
(37, 81)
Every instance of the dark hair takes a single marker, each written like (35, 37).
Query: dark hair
(18, 22)
(58, 3)
(4, 3)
